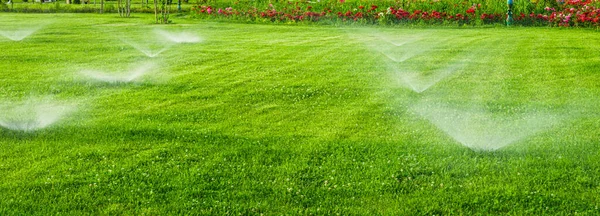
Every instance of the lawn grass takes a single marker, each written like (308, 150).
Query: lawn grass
(280, 119)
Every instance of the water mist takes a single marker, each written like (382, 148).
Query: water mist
(33, 114)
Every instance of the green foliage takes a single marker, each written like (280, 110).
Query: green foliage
(61, 7)
(456, 13)
(4, 7)
(109, 7)
(164, 12)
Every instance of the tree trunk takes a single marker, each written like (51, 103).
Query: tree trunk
(101, 6)
(164, 11)
(163, 8)
(168, 7)
(128, 8)
(156, 11)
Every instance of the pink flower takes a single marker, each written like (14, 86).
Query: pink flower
(342, 1)
(209, 10)
(220, 11)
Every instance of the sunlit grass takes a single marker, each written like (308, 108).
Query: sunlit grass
(282, 119)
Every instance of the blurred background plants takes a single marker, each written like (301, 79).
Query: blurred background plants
(452, 12)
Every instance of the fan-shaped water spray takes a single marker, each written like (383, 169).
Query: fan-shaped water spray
(399, 48)
(148, 44)
(425, 71)
(148, 50)
(179, 37)
(402, 48)
(398, 42)
(33, 114)
(18, 35)
(482, 130)
(133, 75)
(20, 31)
(419, 81)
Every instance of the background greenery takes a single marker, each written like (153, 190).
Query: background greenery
(279, 119)
(448, 6)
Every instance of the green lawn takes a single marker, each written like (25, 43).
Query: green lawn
(281, 119)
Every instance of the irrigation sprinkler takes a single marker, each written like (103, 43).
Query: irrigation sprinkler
(509, 18)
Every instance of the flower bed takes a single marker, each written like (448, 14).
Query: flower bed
(579, 13)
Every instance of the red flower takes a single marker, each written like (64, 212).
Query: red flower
(471, 11)
(361, 7)
(459, 17)
(436, 15)
(540, 16)
(579, 2)
(483, 16)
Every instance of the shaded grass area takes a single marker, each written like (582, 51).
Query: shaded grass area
(294, 120)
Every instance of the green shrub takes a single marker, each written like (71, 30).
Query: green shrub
(109, 7)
